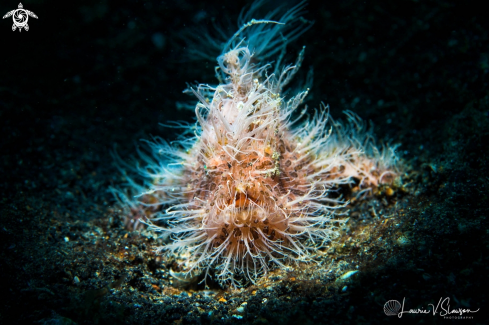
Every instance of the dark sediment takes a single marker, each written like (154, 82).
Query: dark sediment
(86, 77)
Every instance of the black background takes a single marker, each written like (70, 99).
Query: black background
(88, 75)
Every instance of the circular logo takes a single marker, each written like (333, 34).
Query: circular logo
(392, 307)
(20, 18)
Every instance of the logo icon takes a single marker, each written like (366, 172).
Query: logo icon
(392, 307)
(20, 17)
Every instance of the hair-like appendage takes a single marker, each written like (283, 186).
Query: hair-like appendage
(255, 186)
(264, 41)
